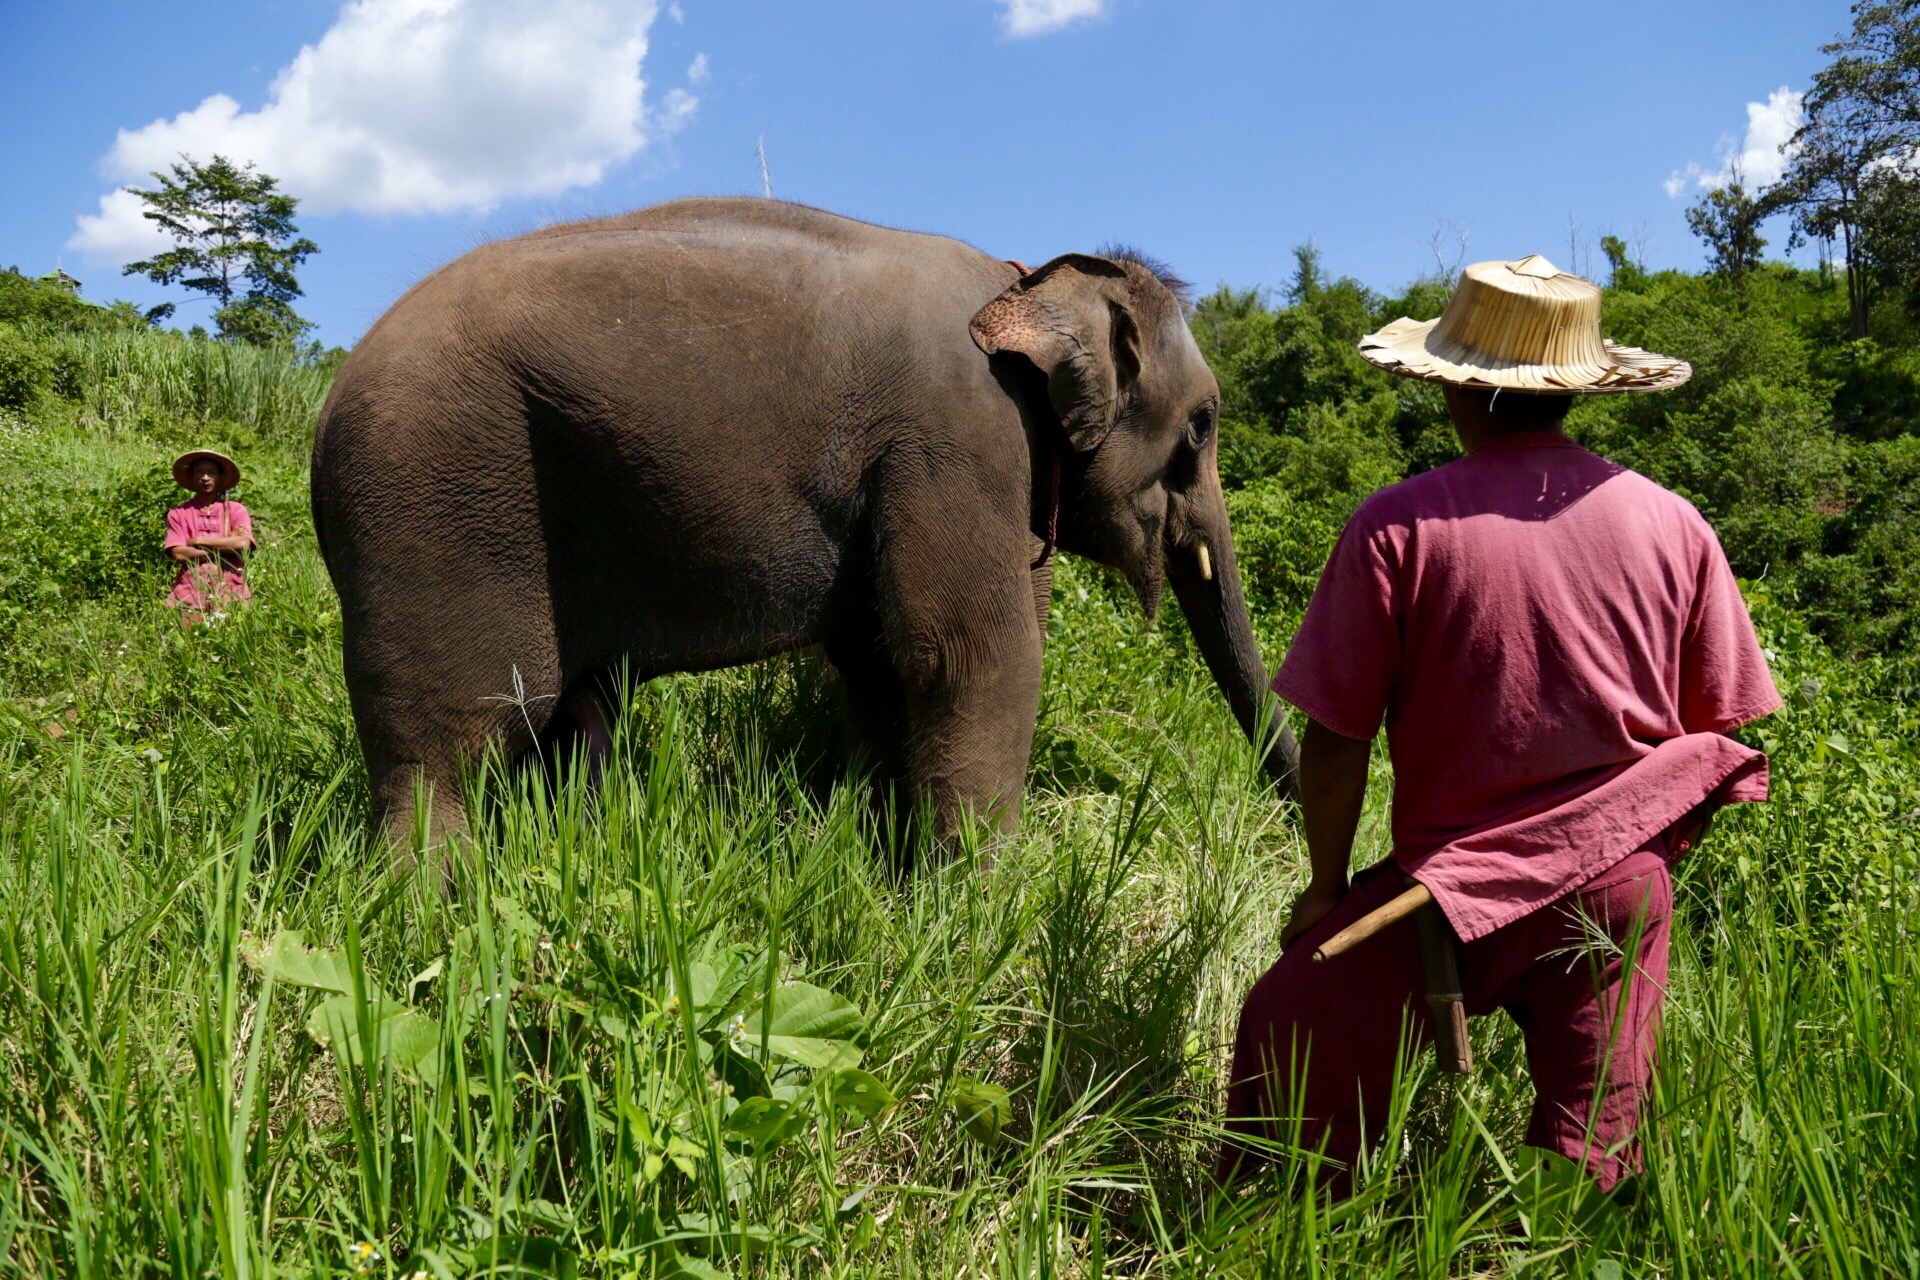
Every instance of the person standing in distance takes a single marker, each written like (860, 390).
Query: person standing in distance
(207, 534)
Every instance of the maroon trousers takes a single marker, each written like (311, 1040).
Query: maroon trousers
(1318, 1043)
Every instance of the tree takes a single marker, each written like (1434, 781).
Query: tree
(1728, 219)
(234, 237)
(1627, 269)
(1856, 159)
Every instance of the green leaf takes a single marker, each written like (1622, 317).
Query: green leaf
(288, 959)
(541, 1255)
(682, 1267)
(820, 1055)
(808, 1025)
(705, 982)
(410, 1041)
(515, 917)
(984, 1109)
(856, 1090)
(800, 1009)
(767, 1122)
(426, 975)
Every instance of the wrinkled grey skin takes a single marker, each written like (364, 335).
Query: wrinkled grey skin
(716, 430)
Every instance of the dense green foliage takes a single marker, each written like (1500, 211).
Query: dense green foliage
(685, 1024)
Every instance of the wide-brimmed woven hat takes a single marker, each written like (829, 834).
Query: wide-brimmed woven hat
(1522, 326)
(183, 466)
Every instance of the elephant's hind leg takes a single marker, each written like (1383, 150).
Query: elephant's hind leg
(430, 709)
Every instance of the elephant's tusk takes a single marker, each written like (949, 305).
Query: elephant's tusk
(1206, 563)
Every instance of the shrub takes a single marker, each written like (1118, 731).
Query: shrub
(68, 544)
(25, 370)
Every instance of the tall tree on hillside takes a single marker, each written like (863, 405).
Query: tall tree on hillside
(1728, 219)
(1855, 171)
(234, 241)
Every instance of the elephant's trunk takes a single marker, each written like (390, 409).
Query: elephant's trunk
(1206, 581)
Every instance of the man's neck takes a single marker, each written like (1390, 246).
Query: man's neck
(1473, 434)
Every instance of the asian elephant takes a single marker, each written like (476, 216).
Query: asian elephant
(715, 430)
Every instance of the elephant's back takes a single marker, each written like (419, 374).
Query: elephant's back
(679, 385)
(761, 225)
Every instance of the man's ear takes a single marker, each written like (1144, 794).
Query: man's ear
(1073, 318)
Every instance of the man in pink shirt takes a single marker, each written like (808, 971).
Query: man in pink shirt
(1557, 649)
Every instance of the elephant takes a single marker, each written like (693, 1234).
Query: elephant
(715, 430)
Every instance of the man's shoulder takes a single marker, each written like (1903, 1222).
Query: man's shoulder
(1465, 485)
(1404, 500)
(1631, 489)
(1427, 495)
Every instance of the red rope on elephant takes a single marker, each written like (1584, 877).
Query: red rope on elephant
(1052, 535)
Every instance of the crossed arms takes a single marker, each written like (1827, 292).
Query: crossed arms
(197, 548)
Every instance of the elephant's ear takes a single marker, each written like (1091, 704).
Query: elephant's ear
(1073, 319)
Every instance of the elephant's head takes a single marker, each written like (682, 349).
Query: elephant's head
(1116, 384)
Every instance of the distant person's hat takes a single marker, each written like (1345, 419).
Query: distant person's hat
(183, 468)
(1523, 326)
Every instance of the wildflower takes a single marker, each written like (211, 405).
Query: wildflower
(364, 1257)
(545, 943)
(737, 1029)
(153, 755)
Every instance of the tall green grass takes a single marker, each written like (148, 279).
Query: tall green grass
(688, 1024)
(116, 374)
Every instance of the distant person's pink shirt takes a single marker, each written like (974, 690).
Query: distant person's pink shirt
(1556, 646)
(221, 578)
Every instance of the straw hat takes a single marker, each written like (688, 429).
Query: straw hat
(183, 467)
(1522, 326)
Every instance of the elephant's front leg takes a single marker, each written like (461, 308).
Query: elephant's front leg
(960, 611)
(970, 732)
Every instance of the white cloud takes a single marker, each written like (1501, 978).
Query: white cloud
(699, 71)
(421, 106)
(1760, 158)
(1038, 17)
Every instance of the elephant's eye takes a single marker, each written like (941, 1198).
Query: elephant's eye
(1200, 425)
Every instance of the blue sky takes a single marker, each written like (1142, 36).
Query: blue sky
(1216, 134)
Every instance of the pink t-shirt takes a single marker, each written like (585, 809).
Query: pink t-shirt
(222, 576)
(1556, 646)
